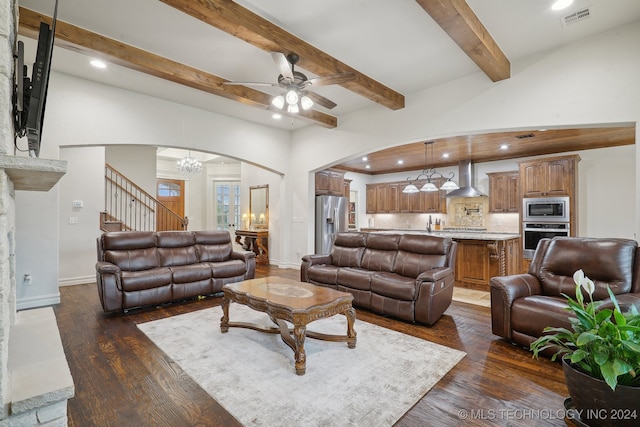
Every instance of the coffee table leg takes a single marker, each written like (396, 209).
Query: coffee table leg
(224, 320)
(351, 333)
(299, 333)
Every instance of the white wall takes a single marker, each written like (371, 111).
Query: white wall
(135, 162)
(84, 181)
(593, 81)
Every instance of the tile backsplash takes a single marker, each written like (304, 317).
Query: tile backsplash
(469, 212)
(461, 212)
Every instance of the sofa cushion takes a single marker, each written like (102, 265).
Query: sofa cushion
(419, 253)
(131, 250)
(146, 279)
(380, 253)
(126, 240)
(530, 315)
(605, 261)
(213, 246)
(134, 259)
(347, 249)
(176, 248)
(191, 273)
(229, 268)
(394, 286)
(355, 278)
(323, 273)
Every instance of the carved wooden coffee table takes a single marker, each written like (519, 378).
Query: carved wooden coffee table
(296, 302)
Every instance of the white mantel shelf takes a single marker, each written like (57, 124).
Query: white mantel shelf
(33, 174)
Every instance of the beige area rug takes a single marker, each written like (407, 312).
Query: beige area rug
(472, 296)
(252, 373)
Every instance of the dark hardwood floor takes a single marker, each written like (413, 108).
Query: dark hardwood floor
(123, 379)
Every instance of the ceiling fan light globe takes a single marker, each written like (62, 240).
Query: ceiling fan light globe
(449, 185)
(306, 102)
(292, 97)
(293, 108)
(278, 102)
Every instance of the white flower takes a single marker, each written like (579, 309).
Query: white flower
(578, 277)
(583, 281)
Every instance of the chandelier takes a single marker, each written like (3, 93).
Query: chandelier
(428, 174)
(189, 165)
(292, 101)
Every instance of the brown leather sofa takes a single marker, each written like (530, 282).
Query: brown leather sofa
(523, 305)
(142, 268)
(403, 275)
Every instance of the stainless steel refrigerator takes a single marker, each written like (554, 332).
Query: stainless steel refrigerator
(332, 215)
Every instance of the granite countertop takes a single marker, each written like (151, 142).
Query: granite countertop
(456, 235)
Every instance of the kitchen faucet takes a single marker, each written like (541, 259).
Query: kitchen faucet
(429, 224)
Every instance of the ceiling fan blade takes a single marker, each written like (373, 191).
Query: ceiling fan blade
(249, 84)
(283, 65)
(321, 100)
(331, 79)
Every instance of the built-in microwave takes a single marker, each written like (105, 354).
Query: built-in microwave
(545, 209)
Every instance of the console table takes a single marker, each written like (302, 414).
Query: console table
(256, 241)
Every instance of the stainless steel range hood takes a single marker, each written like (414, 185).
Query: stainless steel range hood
(465, 172)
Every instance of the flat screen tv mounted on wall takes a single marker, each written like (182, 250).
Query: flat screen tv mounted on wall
(30, 95)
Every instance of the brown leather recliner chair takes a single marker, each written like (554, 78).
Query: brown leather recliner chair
(523, 305)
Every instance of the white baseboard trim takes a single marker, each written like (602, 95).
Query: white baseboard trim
(291, 265)
(69, 281)
(38, 301)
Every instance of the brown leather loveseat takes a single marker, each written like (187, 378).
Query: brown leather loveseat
(142, 268)
(408, 276)
(523, 305)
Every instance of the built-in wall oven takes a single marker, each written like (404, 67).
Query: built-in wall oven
(533, 232)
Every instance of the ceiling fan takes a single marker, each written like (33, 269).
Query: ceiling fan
(297, 94)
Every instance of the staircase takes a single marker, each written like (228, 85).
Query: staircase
(128, 207)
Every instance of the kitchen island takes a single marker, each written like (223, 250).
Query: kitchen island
(481, 254)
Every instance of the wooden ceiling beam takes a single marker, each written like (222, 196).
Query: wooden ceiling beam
(458, 20)
(240, 22)
(88, 43)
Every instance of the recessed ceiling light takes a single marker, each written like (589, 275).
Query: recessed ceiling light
(504, 147)
(561, 4)
(98, 63)
(367, 167)
(276, 116)
(400, 162)
(445, 155)
(365, 158)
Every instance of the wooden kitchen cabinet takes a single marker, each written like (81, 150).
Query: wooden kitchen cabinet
(434, 201)
(381, 198)
(372, 199)
(472, 262)
(504, 192)
(389, 198)
(377, 198)
(347, 188)
(330, 182)
(549, 177)
(393, 197)
(477, 261)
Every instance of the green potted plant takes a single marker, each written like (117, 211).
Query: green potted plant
(601, 357)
